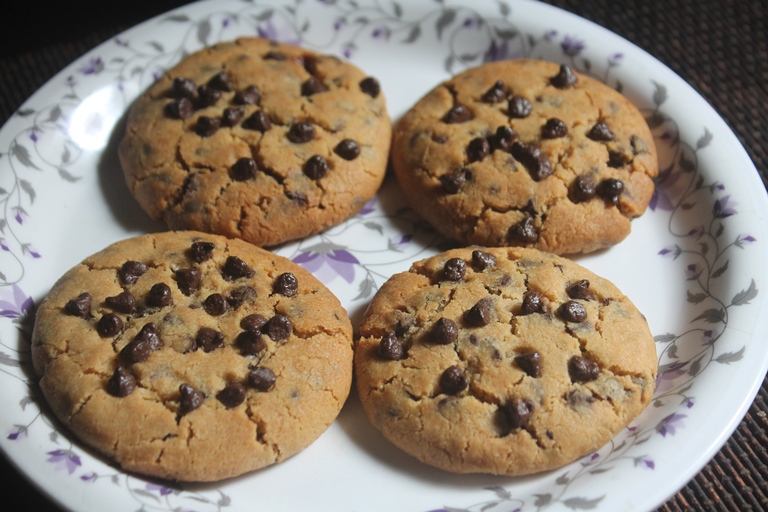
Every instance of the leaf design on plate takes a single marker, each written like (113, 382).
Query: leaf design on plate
(731, 357)
(745, 296)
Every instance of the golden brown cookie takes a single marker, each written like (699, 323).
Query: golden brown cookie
(190, 356)
(526, 153)
(502, 360)
(257, 140)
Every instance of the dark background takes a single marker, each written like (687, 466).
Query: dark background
(720, 47)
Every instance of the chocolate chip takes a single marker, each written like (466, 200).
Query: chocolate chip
(524, 231)
(232, 395)
(479, 314)
(189, 399)
(180, 108)
(232, 115)
(579, 290)
(209, 339)
(207, 96)
(457, 114)
(188, 280)
(79, 306)
(240, 295)
(483, 260)
(251, 342)
(519, 107)
(530, 156)
(215, 304)
(554, 129)
(253, 322)
(286, 284)
(301, 132)
(159, 296)
(496, 93)
(148, 333)
(564, 78)
(315, 167)
(347, 149)
(207, 126)
(279, 327)
(530, 363)
(370, 86)
(235, 268)
(391, 348)
(297, 197)
(131, 271)
(618, 159)
(275, 55)
(261, 378)
(503, 138)
(600, 132)
(310, 63)
(610, 189)
(248, 96)
(533, 303)
(257, 121)
(454, 181)
(183, 88)
(121, 383)
(201, 251)
(312, 86)
(454, 269)
(583, 188)
(582, 369)
(518, 412)
(244, 169)
(477, 149)
(140, 348)
(221, 81)
(445, 331)
(572, 311)
(453, 380)
(109, 325)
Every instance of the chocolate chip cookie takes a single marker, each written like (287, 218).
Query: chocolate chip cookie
(257, 140)
(502, 360)
(194, 357)
(526, 153)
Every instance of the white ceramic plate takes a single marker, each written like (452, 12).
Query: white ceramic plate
(695, 263)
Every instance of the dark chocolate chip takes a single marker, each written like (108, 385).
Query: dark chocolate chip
(518, 412)
(530, 363)
(533, 303)
(180, 108)
(524, 231)
(530, 156)
(221, 81)
(370, 86)
(121, 383)
(312, 86)
(251, 342)
(564, 78)
(310, 63)
(248, 96)
(109, 325)
(261, 378)
(253, 322)
(347, 149)
(201, 251)
(479, 314)
(183, 88)
(79, 306)
(235, 268)
(483, 260)
(583, 188)
(600, 132)
(445, 331)
(519, 107)
(244, 169)
(453, 380)
(457, 114)
(503, 138)
(582, 369)
(257, 121)
(232, 395)
(554, 129)
(140, 348)
(618, 159)
(315, 167)
(149, 334)
(275, 55)
(454, 269)
(207, 96)
(579, 290)
(298, 198)
(572, 311)
(610, 189)
(454, 181)
(209, 339)
(301, 132)
(207, 126)
(286, 284)
(159, 296)
(215, 304)
(477, 149)
(240, 295)
(391, 348)
(131, 271)
(188, 280)
(279, 327)
(232, 115)
(189, 399)
(496, 93)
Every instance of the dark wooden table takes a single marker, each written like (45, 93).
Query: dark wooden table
(720, 47)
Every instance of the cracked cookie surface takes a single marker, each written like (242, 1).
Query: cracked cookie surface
(508, 361)
(526, 153)
(192, 357)
(257, 140)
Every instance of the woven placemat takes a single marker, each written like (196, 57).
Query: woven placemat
(720, 47)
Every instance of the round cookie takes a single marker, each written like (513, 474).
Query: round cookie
(526, 153)
(508, 361)
(193, 357)
(257, 140)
